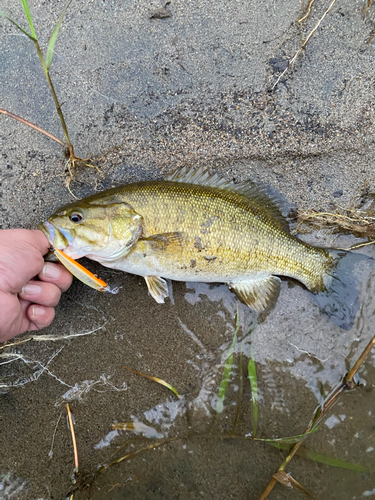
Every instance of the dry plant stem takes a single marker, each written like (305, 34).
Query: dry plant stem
(359, 222)
(73, 438)
(347, 384)
(360, 360)
(371, 36)
(53, 338)
(367, 8)
(329, 214)
(26, 122)
(360, 245)
(290, 482)
(307, 13)
(128, 456)
(141, 450)
(293, 60)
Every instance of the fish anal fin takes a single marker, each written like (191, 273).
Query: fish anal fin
(264, 197)
(259, 294)
(157, 287)
(166, 242)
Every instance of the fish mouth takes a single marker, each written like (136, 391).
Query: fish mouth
(56, 238)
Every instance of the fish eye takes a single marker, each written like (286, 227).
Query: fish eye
(75, 217)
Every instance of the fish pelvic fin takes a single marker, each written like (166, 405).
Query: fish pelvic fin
(259, 294)
(157, 287)
(264, 197)
(340, 297)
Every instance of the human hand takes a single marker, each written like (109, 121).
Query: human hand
(29, 287)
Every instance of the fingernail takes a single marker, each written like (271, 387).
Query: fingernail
(31, 289)
(38, 311)
(51, 271)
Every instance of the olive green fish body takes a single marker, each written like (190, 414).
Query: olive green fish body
(214, 235)
(197, 227)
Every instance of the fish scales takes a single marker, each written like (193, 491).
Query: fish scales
(197, 227)
(225, 236)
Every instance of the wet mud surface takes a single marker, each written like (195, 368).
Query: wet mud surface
(155, 94)
(299, 355)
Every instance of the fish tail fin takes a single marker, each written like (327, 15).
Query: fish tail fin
(340, 297)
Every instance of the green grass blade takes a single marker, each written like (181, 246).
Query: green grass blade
(18, 26)
(28, 15)
(323, 459)
(287, 440)
(333, 462)
(227, 370)
(53, 38)
(226, 377)
(251, 370)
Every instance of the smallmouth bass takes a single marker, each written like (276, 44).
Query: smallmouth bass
(197, 227)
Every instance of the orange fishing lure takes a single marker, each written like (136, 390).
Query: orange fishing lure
(82, 273)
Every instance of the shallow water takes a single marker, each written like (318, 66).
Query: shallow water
(300, 357)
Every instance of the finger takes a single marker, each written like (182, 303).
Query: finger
(40, 241)
(39, 292)
(56, 274)
(40, 316)
(21, 257)
(11, 322)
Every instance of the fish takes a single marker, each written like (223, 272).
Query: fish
(194, 226)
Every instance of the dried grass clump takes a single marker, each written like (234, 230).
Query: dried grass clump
(361, 223)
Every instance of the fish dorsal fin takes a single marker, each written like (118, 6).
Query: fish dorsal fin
(265, 198)
(157, 287)
(199, 176)
(259, 294)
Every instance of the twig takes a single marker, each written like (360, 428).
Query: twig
(367, 8)
(307, 13)
(71, 425)
(359, 245)
(360, 360)
(26, 122)
(371, 35)
(293, 60)
(346, 384)
(136, 452)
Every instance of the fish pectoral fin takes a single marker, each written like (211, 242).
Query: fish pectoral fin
(166, 242)
(259, 294)
(157, 287)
